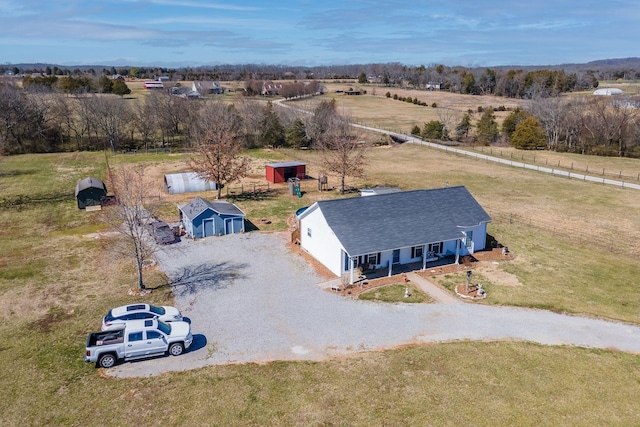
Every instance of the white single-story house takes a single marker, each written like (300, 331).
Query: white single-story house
(202, 218)
(392, 229)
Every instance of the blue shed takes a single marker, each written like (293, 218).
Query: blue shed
(202, 218)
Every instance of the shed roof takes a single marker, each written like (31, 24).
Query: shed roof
(198, 205)
(286, 164)
(396, 220)
(90, 183)
(186, 182)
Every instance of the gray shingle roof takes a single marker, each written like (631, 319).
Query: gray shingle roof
(198, 205)
(397, 220)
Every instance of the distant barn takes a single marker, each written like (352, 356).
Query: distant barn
(90, 192)
(608, 91)
(186, 182)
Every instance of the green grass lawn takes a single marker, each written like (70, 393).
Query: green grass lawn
(56, 281)
(395, 293)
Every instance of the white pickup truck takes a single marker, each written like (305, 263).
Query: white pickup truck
(137, 339)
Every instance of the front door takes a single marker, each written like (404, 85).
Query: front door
(396, 256)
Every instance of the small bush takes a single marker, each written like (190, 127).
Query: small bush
(388, 95)
(395, 96)
(434, 105)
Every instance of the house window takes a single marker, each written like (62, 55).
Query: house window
(436, 248)
(468, 241)
(373, 258)
(416, 252)
(309, 232)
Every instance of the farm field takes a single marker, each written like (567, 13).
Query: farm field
(576, 247)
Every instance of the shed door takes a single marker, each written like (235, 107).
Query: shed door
(228, 226)
(289, 173)
(207, 228)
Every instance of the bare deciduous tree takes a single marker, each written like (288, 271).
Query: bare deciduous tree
(343, 152)
(131, 215)
(110, 114)
(218, 150)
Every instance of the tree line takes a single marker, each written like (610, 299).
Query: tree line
(41, 118)
(603, 126)
(504, 81)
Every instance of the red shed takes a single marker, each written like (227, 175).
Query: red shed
(281, 172)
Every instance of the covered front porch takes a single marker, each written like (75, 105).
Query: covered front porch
(448, 260)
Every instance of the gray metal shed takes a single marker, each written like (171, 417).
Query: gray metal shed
(186, 182)
(90, 192)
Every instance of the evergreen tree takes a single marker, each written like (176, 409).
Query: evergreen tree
(119, 87)
(487, 127)
(272, 130)
(105, 84)
(529, 135)
(462, 129)
(512, 121)
(434, 130)
(295, 135)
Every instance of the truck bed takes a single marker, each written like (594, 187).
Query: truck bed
(104, 338)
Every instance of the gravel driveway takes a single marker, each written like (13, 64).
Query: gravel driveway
(251, 300)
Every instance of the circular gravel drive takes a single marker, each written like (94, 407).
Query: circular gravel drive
(250, 299)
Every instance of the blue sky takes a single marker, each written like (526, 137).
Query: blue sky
(287, 32)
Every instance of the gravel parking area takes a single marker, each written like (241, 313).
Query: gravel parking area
(251, 300)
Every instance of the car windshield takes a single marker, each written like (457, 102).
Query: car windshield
(164, 327)
(109, 317)
(156, 310)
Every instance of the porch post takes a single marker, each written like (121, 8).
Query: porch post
(351, 270)
(390, 264)
(424, 257)
(458, 250)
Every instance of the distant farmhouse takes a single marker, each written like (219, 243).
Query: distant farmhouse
(207, 88)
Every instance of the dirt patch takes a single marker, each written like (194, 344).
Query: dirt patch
(492, 271)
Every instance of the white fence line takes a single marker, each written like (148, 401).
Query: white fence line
(552, 171)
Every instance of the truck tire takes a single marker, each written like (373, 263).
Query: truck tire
(106, 360)
(176, 349)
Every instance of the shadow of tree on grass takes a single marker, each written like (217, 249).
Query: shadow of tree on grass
(191, 279)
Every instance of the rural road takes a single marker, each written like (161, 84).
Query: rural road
(250, 299)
